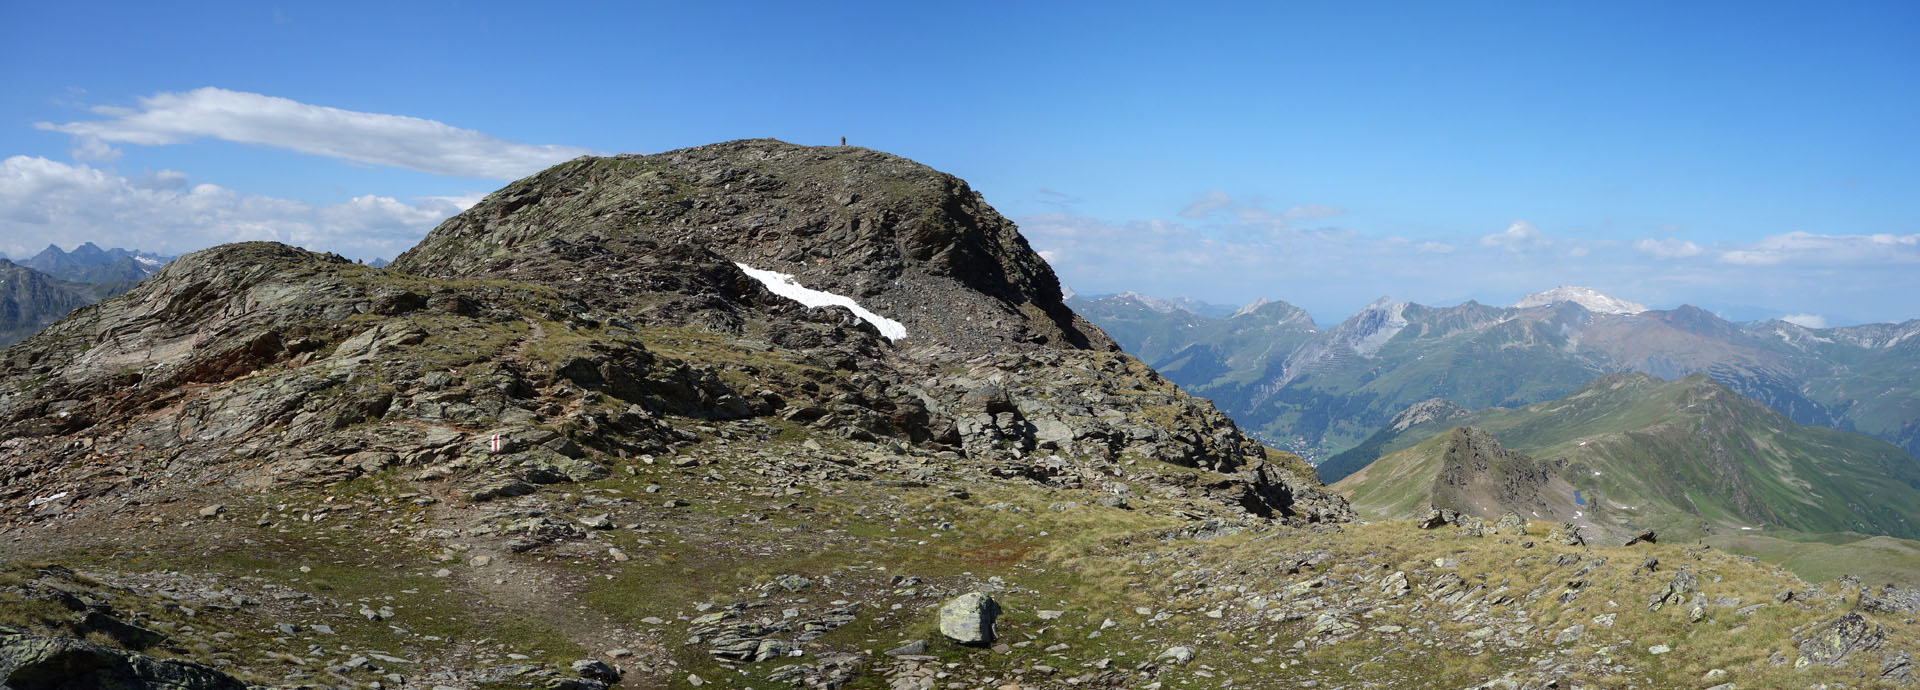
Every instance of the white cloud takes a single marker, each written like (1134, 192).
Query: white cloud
(92, 149)
(1666, 248)
(370, 138)
(1434, 248)
(1519, 237)
(46, 202)
(1213, 201)
(1807, 320)
(1578, 252)
(1806, 247)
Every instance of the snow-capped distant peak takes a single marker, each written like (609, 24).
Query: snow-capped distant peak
(1590, 299)
(1164, 306)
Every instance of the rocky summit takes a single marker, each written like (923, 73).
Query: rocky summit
(578, 438)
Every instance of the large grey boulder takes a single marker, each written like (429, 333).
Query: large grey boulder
(33, 662)
(968, 618)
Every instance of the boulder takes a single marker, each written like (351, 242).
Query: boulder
(968, 618)
(1437, 517)
(1177, 655)
(1896, 667)
(1645, 536)
(594, 669)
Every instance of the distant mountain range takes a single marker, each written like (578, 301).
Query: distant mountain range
(1318, 392)
(88, 263)
(38, 291)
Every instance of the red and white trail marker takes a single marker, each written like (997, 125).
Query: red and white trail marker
(496, 443)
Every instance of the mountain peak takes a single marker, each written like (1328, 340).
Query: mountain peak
(1590, 299)
(912, 244)
(1164, 306)
(1251, 307)
(1370, 329)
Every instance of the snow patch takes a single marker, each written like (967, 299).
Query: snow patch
(784, 285)
(46, 499)
(1590, 299)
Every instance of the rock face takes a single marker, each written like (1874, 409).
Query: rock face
(31, 662)
(968, 619)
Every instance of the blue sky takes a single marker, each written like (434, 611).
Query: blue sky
(1755, 158)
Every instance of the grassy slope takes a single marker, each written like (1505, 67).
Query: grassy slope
(1688, 459)
(1125, 594)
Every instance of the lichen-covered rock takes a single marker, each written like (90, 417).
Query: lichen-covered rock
(1831, 644)
(968, 619)
(1892, 599)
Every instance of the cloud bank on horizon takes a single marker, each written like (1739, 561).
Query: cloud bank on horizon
(1230, 252)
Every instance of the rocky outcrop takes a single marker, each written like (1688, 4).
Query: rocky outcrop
(1833, 643)
(33, 662)
(1479, 475)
